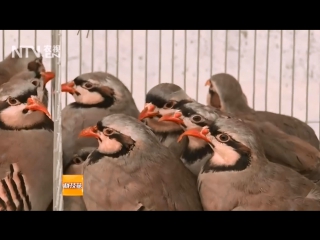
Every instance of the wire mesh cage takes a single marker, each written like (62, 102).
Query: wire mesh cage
(277, 69)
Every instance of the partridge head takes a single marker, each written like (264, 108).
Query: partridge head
(125, 171)
(239, 177)
(161, 100)
(100, 89)
(225, 93)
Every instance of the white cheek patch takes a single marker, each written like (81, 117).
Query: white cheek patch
(13, 116)
(223, 154)
(108, 145)
(87, 97)
(196, 143)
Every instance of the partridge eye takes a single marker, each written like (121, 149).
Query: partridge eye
(35, 83)
(77, 160)
(88, 85)
(223, 137)
(13, 101)
(196, 118)
(169, 105)
(108, 131)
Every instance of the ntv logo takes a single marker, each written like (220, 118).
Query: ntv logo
(48, 51)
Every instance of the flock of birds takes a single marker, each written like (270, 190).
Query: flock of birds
(176, 154)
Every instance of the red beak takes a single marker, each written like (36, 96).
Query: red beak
(34, 104)
(196, 132)
(172, 118)
(69, 88)
(90, 132)
(47, 76)
(208, 83)
(148, 112)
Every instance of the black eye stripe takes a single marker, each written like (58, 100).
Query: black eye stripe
(161, 102)
(100, 127)
(21, 98)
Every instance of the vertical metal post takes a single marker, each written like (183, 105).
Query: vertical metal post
(56, 116)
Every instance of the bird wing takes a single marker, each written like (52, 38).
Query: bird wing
(26, 170)
(290, 125)
(288, 150)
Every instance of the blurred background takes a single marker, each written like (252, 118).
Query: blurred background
(278, 69)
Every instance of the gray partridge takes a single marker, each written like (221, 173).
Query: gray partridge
(26, 147)
(226, 94)
(161, 100)
(97, 94)
(239, 177)
(131, 170)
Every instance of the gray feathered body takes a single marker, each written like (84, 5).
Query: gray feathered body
(289, 125)
(152, 180)
(288, 150)
(268, 186)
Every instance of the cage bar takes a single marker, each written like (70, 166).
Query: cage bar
(56, 116)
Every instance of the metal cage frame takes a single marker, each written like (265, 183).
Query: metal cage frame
(58, 37)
